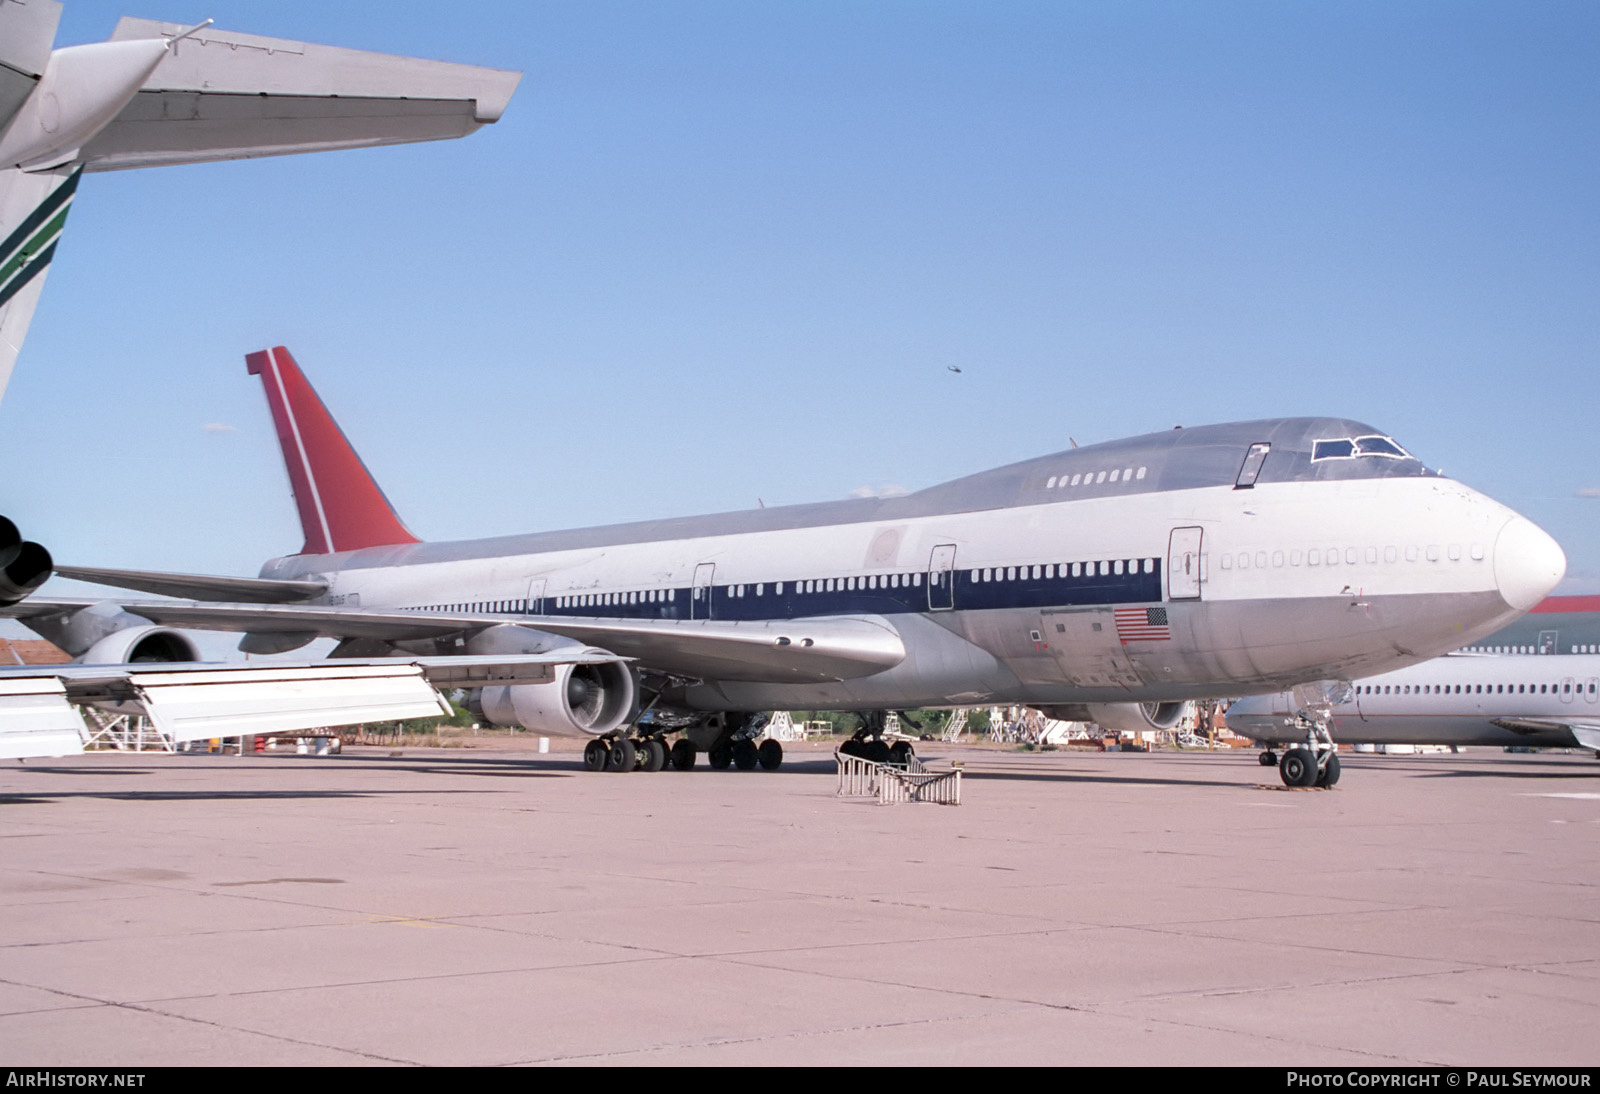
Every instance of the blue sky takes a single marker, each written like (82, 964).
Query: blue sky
(722, 252)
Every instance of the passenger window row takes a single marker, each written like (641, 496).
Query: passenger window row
(1566, 687)
(1100, 568)
(1349, 556)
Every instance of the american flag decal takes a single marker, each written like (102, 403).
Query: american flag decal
(1142, 625)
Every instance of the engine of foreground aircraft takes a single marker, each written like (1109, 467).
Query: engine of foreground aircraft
(582, 701)
(24, 566)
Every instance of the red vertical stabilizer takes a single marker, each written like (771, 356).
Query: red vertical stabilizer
(341, 507)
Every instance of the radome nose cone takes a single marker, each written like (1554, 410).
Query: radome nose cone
(1527, 563)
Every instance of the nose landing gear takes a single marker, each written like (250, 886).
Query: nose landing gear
(1317, 762)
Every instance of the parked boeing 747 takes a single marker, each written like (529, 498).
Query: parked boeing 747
(1105, 582)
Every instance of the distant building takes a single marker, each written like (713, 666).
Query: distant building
(24, 651)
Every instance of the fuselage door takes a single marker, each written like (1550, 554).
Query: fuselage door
(942, 578)
(1566, 689)
(1183, 564)
(536, 596)
(1591, 690)
(700, 595)
(1547, 641)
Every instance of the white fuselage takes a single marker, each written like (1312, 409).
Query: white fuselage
(1464, 699)
(1221, 590)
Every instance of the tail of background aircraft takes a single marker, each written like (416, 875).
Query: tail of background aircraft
(341, 506)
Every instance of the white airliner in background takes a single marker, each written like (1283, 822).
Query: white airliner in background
(1464, 699)
(1110, 582)
(159, 94)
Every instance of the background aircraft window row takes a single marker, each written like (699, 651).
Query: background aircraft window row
(1053, 571)
(1566, 687)
(1350, 556)
(1124, 474)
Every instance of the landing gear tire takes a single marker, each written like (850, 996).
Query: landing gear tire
(876, 751)
(653, 755)
(621, 756)
(1269, 758)
(769, 755)
(1329, 775)
(900, 753)
(853, 747)
(594, 755)
(683, 753)
(1298, 767)
(720, 757)
(744, 755)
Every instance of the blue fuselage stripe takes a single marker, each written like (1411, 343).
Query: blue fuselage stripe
(743, 602)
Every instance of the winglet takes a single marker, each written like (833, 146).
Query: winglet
(341, 506)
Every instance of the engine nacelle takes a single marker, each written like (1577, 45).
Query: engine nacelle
(24, 566)
(582, 701)
(1123, 717)
(140, 645)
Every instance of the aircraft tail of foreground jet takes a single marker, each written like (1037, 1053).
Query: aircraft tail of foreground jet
(158, 93)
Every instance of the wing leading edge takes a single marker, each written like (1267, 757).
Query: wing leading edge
(789, 651)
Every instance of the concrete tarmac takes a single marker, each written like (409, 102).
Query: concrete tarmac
(478, 907)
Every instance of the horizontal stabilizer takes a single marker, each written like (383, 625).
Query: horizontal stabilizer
(239, 590)
(224, 95)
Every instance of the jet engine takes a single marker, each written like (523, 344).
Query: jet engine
(24, 566)
(1122, 717)
(582, 701)
(147, 644)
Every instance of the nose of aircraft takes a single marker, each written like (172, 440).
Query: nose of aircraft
(1527, 563)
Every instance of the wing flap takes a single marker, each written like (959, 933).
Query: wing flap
(36, 719)
(193, 702)
(194, 706)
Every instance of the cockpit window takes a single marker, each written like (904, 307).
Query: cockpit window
(1346, 448)
(1380, 446)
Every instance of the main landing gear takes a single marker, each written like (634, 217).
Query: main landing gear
(727, 740)
(870, 743)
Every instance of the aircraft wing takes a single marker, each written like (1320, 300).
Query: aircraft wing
(223, 95)
(190, 702)
(788, 651)
(1585, 732)
(251, 590)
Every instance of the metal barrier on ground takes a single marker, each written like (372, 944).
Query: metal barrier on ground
(892, 784)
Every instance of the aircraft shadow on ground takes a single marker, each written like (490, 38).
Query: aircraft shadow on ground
(45, 797)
